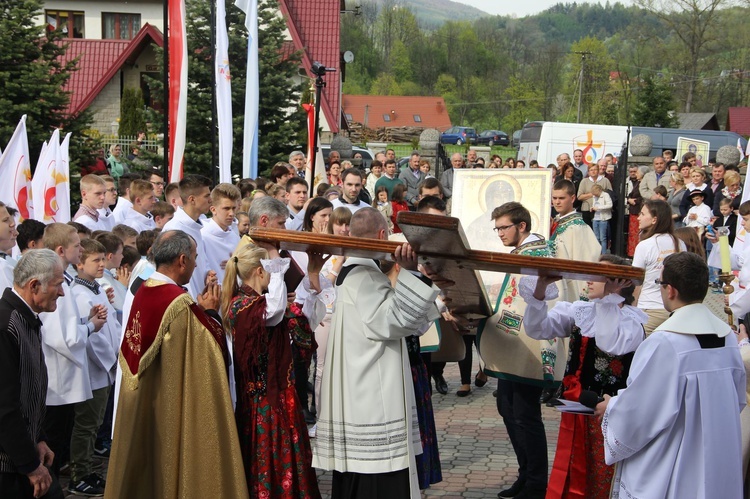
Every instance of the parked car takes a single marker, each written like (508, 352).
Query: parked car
(493, 138)
(367, 154)
(459, 135)
(516, 140)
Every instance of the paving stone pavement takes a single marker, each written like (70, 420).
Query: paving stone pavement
(475, 451)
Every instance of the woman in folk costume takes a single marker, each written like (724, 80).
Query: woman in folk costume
(273, 435)
(428, 463)
(604, 333)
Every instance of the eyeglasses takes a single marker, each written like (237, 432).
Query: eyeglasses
(156, 184)
(503, 228)
(660, 282)
(113, 189)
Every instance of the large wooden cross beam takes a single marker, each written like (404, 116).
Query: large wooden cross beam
(440, 243)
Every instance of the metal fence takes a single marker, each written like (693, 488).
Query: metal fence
(151, 143)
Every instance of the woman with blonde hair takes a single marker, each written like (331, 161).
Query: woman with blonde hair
(273, 435)
(677, 192)
(731, 190)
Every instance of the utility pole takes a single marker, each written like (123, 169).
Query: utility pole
(580, 82)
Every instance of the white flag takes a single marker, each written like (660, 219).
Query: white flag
(223, 94)
(739, 148)
(44, 184)
(62, 183)
(252, 90)
(15, 172)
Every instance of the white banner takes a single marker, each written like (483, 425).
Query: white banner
(223, 94)
(15, 170)
(252, 90)
(50, 186)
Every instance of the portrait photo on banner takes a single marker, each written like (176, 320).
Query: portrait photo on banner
(699, 147)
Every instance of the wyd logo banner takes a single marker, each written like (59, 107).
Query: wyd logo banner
(593, 149)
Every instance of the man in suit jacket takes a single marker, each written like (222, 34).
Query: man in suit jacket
(412, 176)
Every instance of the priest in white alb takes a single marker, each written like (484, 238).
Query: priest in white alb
(675, 430)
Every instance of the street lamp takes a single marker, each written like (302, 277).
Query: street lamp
(319, 70)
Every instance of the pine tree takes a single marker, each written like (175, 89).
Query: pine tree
(132, 119)
(655, 105)
(278, 126)
(32, 76)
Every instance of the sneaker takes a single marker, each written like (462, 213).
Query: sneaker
(97, 479)
(102, 449)
(312, 431)
(85, 488)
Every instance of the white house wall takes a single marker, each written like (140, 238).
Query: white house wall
(151, 13)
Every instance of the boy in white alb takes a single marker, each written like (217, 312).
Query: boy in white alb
(699, 215)
(64, 336)
(106, 216)
(124, 201)
(219, 236)
(138, 217)
(114, 277)
(93, 192)
(102, 348)
(7, 242)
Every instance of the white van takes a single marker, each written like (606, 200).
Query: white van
(555, 138)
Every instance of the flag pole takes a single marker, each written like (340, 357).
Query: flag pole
(165, 97)
(214, 161)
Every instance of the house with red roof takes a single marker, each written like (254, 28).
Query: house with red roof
(377, 111)
(115, 42)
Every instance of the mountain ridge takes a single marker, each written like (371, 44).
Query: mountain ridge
(435, 12)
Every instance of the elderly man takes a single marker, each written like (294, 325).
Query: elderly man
(446, 179)
(297, 160)
(660, 176)
(370, 442)
(412, 176)
(174, 361)
(24, 454)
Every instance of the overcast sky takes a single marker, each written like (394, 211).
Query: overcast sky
(520, 9)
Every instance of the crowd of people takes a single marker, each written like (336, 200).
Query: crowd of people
(153, 330)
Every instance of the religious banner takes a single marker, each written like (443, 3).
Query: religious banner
(15, 169)
(698, 147)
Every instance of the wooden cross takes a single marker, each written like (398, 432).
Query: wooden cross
(441, 244)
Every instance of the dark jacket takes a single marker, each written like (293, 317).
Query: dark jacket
(23, 385)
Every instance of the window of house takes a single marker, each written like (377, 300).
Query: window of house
(70, 23)
(417, 118)
(386, 117)
(348, 117)
(120, 26)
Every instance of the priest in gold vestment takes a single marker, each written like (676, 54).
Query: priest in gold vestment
(175, 433)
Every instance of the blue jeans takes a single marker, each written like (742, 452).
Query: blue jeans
(601, 228)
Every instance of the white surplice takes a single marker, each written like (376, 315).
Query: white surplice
(675, 429)
(219, 244)
(368, 421)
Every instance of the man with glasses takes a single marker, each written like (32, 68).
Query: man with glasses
(675, 430)
(157, 180)
(526, 363)
(110, 199)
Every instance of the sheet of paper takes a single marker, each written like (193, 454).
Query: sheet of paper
(574, 407)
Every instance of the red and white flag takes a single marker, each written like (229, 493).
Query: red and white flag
(315, 171)
(15, 172)
(50, 186)
(178, 82)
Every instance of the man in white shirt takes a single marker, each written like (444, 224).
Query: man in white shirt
(219, 236)
(352, 185)
(195, 193)
(296, 197)
(675, 429)
(138, 216)
(93, 192)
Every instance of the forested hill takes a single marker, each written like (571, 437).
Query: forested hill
(502, 71)
(433, 13)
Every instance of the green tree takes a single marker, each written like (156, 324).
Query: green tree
(132, 119)
(32, 74)
(280, 116)
(524, 104)
(655, 105)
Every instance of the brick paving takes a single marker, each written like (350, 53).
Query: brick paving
(475, 451)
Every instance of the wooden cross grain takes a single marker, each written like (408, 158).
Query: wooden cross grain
(441, 243)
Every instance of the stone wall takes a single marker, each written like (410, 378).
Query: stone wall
(106, 107)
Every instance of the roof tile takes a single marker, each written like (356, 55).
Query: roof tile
(738, 120)
(431, 110)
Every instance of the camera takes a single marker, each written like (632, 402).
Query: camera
(319, 69)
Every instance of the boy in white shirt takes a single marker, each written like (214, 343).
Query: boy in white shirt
(219, 237)
(93, 192)
(102, 348)
(138, 216)
(7, 242)
(699, 215)
(106, 216)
